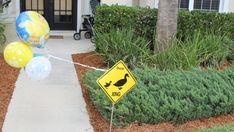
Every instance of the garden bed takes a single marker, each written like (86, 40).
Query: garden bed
(8, 77)
(100, 124)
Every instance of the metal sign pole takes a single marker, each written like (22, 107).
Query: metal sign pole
(112, 112)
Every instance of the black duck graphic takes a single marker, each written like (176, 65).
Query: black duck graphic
(107, 84)
(121, 82)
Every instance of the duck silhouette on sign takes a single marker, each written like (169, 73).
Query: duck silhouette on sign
(121, 82)
(107, 84)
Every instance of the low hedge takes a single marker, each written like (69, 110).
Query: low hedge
(143, 20)
(168, 96)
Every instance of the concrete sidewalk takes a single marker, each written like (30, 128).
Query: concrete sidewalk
(55, 104)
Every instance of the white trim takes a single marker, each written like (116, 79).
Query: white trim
(191, 5)
(78, 15)
(226, 6)
(156, 4)
(17, 8)
(221, 6)
(87, 7)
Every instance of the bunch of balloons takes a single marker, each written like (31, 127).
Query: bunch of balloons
(33, 31)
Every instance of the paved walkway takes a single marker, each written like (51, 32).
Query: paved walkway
(55, 104)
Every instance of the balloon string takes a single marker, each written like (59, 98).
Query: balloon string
(76, 63)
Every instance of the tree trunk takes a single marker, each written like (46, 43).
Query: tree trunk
(166, 23)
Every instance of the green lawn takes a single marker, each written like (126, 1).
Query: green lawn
(226, 128)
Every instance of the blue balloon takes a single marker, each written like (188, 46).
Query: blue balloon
(32, 28)
(38, 68)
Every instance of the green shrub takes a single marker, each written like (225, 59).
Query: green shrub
(143, 21)
(208, 50)
(168, 96)
(206, 22)
(230, 44)
(2, 37)
(124, 45)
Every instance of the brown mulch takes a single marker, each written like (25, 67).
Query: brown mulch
(8, 77)
(102, 125)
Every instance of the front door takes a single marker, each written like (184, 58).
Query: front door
(60, 14)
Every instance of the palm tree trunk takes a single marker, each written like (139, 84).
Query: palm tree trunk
(166, 23)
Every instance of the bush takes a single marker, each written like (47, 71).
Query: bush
(209, 50)
(2, 37)
(143, 21)
(206, 22)
(124, 45)
(230, 44)
(168, 96)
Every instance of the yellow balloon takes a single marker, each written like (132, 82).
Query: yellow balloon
(17, 54)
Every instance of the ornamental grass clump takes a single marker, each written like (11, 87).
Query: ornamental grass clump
(122, 44)
(202, 50)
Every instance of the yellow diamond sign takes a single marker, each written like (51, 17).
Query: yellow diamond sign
(117, 81)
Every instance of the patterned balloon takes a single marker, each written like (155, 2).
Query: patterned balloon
(38, 68)
(17, 54)
(32, 28)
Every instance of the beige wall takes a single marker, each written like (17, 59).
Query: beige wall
(231, 6)
(9, 14)
(143, 3)
(135, 2)
(148, 3)
(119, 2)
(151, 3)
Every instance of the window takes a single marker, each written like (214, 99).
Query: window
(207, 5)
(184, 4)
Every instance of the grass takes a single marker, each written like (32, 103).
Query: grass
(208, 50)
(124, 45)
(225, 128)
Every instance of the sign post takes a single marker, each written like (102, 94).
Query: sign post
(112, 113)
(116, 82)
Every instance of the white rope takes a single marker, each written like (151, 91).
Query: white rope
(65, 60)
(76, 63)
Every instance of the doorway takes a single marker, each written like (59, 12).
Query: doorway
(60, 14)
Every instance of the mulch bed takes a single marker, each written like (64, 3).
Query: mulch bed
(8, 77)
(102, 125)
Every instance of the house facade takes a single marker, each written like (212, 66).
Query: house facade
(60, 14)
(222, 6)
(66, 14)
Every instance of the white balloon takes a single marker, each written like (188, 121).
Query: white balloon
(38, 68)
